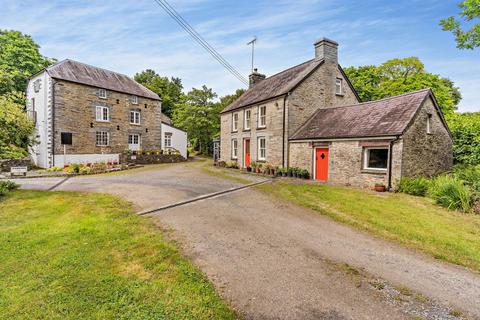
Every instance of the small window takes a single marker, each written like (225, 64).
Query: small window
(262, 116)
(134, 99)
(102, 138)
(375, 158)
(102, 113)
(235, 122)
(37, 85)
(134, 139)
(168, 139)
(246, 124)
(262, 148)
(134, 117)
(429, 123)
(102, 93)
(234, 149)
(338, 86)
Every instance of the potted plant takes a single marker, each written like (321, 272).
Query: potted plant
(284, 172)
(259, 168)
(306, 174)
(380, 187)
(249, 169)
(253, 164)
(289, 172)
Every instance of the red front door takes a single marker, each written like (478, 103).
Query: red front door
(321, 164)
(247, 152)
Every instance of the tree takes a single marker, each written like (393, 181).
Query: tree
(230, 98)
(169, 90)
(198, 115)
(16, 128)
(19, 59)
(398, 76)
(465, 128)
(466, 39)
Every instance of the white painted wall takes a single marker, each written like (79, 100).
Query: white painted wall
(61, 160)
(179, 139)
(39, 152)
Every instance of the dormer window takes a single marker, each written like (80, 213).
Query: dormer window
(134, 100)
(339, 86)
(102, 93)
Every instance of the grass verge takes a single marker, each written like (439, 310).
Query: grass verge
(87, 256)
(414, 222)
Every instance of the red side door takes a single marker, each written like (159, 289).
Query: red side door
(247, 152)
(321, 164)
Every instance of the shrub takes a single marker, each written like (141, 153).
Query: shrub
(470, 175)
(451, 192)
(7, 186)
(414, 186)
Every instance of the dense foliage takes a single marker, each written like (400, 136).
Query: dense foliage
(7, 186)
(465, 128)
(169, 90)
(16, 128)
(459, 190)
(398, 76)
(19, 59)
(466, 39)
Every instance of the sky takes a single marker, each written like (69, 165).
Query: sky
(129, 36)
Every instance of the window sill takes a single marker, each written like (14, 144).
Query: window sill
(104, 98)
(234, 131)
(261, 128)
(246, 130)
(135, 124)
(105, 121)
(262, 160)
(373, 171)
(340, 94)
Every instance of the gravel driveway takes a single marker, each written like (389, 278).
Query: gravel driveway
(274, 260)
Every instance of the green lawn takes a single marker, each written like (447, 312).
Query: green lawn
(87, 256)
(413, 221)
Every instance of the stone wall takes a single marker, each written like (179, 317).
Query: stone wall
(152, 158)
(346, 162)
(427, 154)
(74, 111)
(6, 164)
(272, 132)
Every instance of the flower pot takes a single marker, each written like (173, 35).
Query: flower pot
(380, 188)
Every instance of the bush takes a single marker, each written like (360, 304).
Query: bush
(470, 175)
(450, 192)
(7, 186)
(414, 186)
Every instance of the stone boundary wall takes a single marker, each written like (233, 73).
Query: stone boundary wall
(152, 158)
(6, 164)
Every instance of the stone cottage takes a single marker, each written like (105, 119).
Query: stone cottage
(309, 116)
(87, 114)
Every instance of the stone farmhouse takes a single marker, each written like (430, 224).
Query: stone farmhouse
(88, 114)
(309, 116)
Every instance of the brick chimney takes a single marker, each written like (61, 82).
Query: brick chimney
(326, 49)
(255, 78)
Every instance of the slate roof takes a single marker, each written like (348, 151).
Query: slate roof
(78, 72)
(275, 86)
(166, 119)
(386, 117)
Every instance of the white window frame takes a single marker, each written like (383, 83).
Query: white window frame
(103, 135)
(247, 122)
(262, 118)
(168, 139)
(366, 156)
(259, 149)
(132, 141)
(339, 86)
(234, 149)
(101, 115)
(134, 99)
(429, 123)
(136, 117)
(102, 93)
(235, 122)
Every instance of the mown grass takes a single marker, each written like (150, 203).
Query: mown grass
(87, 256)
(414, 222)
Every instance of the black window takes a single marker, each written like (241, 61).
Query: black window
(376, 158)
